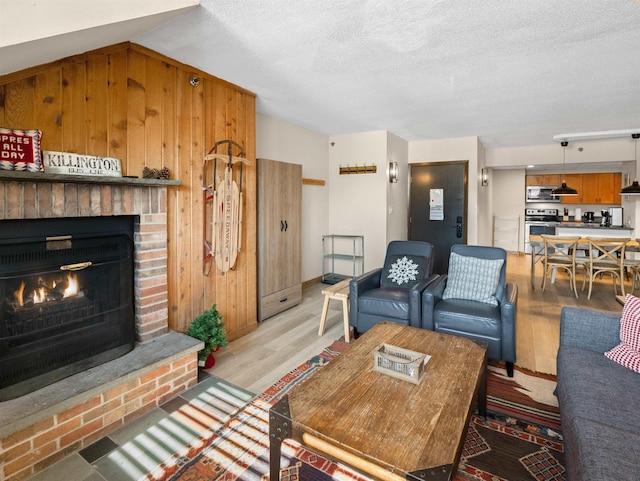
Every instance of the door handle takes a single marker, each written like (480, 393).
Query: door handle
(76, 267)
(459, 227)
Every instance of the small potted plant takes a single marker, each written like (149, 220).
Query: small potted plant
(208, 327)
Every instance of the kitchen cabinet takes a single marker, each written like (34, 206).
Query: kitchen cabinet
(544, 179)
(590, 189)
(617, 187)
(279, 236)
(575, 181)
(601, 188)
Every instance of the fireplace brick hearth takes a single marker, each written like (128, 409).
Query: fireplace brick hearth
(64, 417)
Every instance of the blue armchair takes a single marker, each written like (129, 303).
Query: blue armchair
(393, 292)
(474, 300)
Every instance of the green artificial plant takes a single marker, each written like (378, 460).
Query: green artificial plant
(208, 327)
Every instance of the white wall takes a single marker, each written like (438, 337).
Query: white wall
(509, 184)
(357, 203)
(485, 200)
(278, 140)
(49, 19)
(34, 33)
(398, 192)
(582, 152)
(464, 148)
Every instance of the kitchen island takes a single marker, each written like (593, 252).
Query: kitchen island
(591, 230)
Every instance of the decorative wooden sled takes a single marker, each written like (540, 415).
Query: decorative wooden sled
(222, 207)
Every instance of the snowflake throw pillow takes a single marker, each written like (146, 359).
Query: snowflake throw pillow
(403, 271)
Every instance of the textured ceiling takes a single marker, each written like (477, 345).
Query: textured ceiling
(513, 73)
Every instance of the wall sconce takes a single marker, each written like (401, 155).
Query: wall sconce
(484, 177)
(393, 172)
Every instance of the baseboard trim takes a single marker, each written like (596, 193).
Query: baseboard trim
(311, 282)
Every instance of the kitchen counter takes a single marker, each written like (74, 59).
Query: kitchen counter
(591, 230)
(594, 225)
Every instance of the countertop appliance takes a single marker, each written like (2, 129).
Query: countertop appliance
(615, 214)
(605, 220)
(541, 193)
(538, 222)
(588, 217)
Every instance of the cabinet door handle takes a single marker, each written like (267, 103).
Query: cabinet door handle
(284, 299)
(286, 226)
(281, 226)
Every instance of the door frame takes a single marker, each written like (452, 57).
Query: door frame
(465, 164)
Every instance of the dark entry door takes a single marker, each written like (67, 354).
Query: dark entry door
(424, 223)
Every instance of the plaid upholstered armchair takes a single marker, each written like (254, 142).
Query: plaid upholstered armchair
(392, 292)
(474, 300)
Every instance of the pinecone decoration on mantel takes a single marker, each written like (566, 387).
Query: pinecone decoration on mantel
(148, 173)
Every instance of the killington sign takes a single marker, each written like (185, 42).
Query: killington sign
(79, 164)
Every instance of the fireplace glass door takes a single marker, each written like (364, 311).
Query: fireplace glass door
(66, 300)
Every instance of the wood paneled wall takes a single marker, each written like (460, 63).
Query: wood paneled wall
(128, 102)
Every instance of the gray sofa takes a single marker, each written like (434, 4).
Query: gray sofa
(599, 399)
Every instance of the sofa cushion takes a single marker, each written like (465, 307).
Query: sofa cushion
(403, 271)
(473, 278)
(476, 320)
(591, 386)
(618, 451)
(627, 352)
(385, 303)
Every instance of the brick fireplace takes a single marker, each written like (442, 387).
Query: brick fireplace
(42, 427)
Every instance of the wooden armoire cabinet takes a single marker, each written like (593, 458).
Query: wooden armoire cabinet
(279, 236)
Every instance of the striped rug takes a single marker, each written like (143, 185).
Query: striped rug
(526, 397)
(520, 439)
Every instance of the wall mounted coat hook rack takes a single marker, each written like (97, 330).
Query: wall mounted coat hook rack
(358, 169)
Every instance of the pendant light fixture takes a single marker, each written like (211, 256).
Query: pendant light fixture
(634, 188)
(564, 190)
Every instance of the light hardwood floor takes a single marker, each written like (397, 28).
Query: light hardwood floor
(286, 340)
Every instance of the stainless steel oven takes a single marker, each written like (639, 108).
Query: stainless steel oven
(539, 222)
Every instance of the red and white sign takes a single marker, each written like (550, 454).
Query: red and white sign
(20, 150)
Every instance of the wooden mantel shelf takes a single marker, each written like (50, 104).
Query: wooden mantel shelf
(9, 175)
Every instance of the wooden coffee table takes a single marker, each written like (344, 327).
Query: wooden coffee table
(386, 427)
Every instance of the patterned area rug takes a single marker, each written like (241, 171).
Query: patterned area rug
(520, 439)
